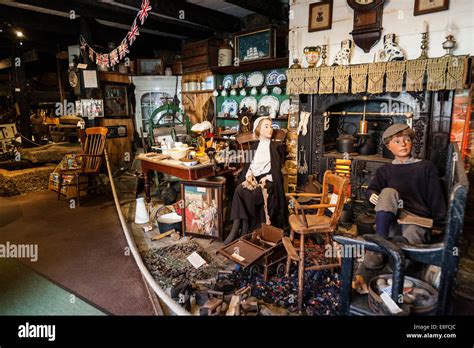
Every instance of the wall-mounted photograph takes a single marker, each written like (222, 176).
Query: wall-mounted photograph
(320, 16)
(429, 6)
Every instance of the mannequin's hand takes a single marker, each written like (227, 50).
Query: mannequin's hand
(374, 198)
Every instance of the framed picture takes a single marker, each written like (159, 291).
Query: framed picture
(90, 108)
(151, 66)
(320, 16)
(429, 6)
(202, 209)
(252, 45)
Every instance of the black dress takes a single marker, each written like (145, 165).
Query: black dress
(249, 205)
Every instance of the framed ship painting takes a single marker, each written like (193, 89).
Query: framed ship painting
(254, 45)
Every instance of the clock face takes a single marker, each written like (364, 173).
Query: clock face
(364, 2)
(73, 79)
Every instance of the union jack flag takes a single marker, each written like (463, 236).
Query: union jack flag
(133, 33)
(102, 60)
(114, 59)
(123, 49)
(143, 13)
(91, 54)
(83, 43)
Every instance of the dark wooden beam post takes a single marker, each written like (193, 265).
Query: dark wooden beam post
(20, 92)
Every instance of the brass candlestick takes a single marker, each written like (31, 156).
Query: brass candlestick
(324, 51)
(424, 46)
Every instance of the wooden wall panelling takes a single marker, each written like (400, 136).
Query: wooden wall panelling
(118, 147)
(194, 102)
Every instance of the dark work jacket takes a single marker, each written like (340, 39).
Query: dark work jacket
(418, 185)
(277, 154)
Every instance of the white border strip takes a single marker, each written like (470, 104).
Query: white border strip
(175, 307)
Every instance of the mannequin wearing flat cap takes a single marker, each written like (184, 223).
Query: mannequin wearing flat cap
(260, 197)
(407, 187)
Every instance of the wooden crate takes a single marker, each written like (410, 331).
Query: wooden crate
(200, 55)
(69, 191)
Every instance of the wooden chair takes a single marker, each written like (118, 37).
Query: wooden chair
(91, 160)
(440, 253)
(304, 224)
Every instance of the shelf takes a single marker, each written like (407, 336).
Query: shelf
(197, 92)
(373, 158)
(236, 119)
(266, 64)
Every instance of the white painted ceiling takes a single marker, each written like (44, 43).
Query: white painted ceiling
(222, 6)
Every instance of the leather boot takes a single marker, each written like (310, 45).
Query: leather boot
(234, 232)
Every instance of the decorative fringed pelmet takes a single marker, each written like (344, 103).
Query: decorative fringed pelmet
(455, 76)
(394, 74)
(341, 79)
(359, 78)
(415, 70)
(311, 81)
(437, 74)
(376, 75)
(326, 80)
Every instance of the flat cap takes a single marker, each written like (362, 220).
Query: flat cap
(394, 129)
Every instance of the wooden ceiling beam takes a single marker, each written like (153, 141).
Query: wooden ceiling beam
(272, 9)
(122, 15)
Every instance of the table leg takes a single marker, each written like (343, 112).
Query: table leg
(146, 181)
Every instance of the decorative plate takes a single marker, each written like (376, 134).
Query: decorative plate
(240, 78)
(256, 79)
(227, 81)
(230, 106)
(285, 108)
(275, 126)
(272, 78)
(249, 102)
(281, 77)
(272, 102)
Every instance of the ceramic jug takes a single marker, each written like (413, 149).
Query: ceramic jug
(312, 54)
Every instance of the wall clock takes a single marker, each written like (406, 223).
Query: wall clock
(367, 22)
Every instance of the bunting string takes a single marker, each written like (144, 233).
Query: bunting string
(112, 58)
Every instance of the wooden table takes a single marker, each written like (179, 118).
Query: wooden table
(175, 168)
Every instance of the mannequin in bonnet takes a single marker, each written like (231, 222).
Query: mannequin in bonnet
(260, 197)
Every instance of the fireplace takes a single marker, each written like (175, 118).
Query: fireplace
(431, 117)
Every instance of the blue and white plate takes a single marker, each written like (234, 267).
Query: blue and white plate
(230, 106)
(275, 126)
(228, 81)
(281, 77)
(240, 78)
(272, 78)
